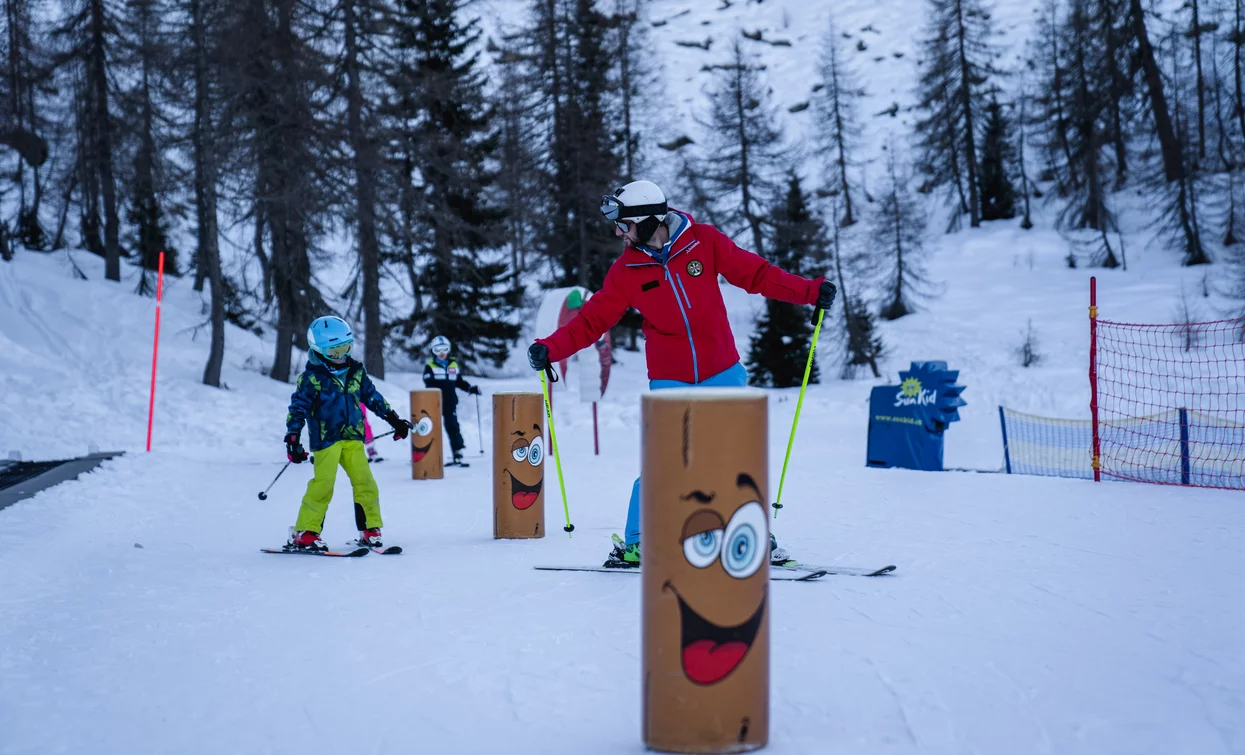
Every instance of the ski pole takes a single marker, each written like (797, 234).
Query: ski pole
(553, 440)
(263, 496)
(799, 404)
(479, 432)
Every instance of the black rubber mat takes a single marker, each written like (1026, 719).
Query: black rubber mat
(14, 472)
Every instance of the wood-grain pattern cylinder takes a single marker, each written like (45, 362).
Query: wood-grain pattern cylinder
(518, 465)
(704, 530)
(427, 461)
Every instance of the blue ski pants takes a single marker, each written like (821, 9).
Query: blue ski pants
(732, 377)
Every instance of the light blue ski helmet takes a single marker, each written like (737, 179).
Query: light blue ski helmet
(331, 338)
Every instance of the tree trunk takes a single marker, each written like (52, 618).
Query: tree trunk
(1172, 161)
(204, 144)
(836, 94)
(966, 101)
(365, 166)
(1201, 87)
(102, 127)
(1238, 39)
(745, 173)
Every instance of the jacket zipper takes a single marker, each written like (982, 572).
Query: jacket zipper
(686, 323)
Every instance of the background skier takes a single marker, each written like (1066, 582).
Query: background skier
(442, 372)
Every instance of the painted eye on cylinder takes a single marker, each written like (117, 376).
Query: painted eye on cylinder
(518, 451)
(701, 550)
(746, 543)
(424, 427)
(536, 454)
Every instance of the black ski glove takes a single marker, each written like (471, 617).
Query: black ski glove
(401, 428)
(475, 389)
(825, 297)
(538, 356)
(294, 450)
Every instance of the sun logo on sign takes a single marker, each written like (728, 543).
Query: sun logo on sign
(694, 268)
(911, 387)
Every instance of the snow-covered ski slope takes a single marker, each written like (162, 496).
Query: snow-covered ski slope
(1027, 615)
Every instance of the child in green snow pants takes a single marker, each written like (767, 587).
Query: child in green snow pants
(352, 457)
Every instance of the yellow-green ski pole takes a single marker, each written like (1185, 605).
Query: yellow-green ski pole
(553, 441)
(799, 405)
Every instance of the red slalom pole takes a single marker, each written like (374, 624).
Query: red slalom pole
(155, 346)
(1096, 460)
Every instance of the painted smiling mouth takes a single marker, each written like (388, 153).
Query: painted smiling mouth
(711, 652)
(523, 496)
(418, 453)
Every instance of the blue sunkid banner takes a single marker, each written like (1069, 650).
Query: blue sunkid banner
(907, 421)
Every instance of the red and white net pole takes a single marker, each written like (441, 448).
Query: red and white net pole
(155, 346)
(1093, 374)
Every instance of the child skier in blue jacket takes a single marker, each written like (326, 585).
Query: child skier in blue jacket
(328, 400)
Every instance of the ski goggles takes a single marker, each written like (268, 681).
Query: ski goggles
(612, 208)
(338, 351)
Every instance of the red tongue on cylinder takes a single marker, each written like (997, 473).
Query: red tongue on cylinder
(523, 501)
(418, 455)
(706, 662)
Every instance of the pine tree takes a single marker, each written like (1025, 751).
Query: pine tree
(779, 348)
(957, 65)
(365, 44)
(459, 223)
(899, 228)
(89, 31)
(274, 80)
(24, 73)
(998, 197)
(837, 105)
(744, 147)
(862, 343)
(145, 51)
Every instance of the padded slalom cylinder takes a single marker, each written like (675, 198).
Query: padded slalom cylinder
(427, 460)
(704, 532)
(518, 465)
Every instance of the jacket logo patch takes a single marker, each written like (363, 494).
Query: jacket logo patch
(694, 268)
(650, 285)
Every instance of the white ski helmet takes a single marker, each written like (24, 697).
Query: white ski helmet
(440, 347)
(642, 202)
(331, 338)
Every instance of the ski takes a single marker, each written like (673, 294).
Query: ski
(457, 464)
(788, 573)
(387, 550)
(847, 571)
(338, 554)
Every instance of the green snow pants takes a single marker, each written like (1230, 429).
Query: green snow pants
(352, 457)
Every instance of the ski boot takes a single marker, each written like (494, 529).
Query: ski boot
(370, 538)
(779, 556)
(372, 454)
(305, 540)
(623, 556)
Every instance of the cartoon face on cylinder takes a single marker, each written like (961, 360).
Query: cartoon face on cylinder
(525, 467)
(421, 436)
(719, 584)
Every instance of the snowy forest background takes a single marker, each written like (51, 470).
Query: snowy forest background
(421, 167)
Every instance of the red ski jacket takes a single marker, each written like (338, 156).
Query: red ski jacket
(687, 335)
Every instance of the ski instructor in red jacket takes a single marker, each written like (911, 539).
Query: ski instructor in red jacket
(669, 273)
